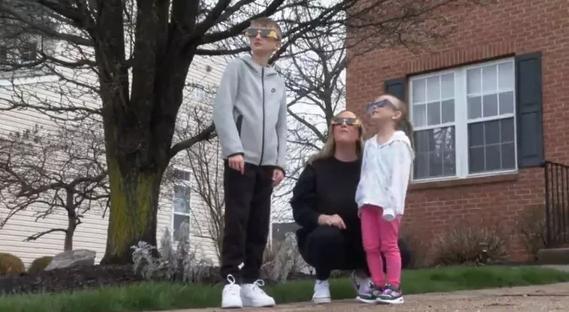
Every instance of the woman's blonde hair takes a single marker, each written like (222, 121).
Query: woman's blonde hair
(329, 147)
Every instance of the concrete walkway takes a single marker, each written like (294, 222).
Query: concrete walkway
(546, 298)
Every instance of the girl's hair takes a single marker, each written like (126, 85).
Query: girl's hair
(329, 147)
(403, 123)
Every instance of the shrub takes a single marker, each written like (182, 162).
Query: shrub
(10, 264)
(180, 264)
(39, 264)
(470, 243)
(282, 260)
(531, 227)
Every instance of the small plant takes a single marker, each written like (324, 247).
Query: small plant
(10, 264)
(39, 264)
(469, 243)
(181, 264)
(283, 259)
(531, 227)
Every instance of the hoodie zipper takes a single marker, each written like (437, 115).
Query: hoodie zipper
(263, 135)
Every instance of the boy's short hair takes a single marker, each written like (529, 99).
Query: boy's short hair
(267, 22)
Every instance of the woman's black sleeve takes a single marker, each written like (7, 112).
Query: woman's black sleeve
(303, 200)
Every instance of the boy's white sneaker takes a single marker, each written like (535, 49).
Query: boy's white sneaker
(231, 295)
(321, 292)
(253, 296)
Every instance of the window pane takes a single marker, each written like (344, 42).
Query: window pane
(422, 141)
(490, 105)
(473, 81)
(434, 113)
(507, 102)
(508, 156)
(493, 157)
(180, 221)
(421, 168)
(447, 87)
(181, 199)
(448, 111)
(476, 134)
(433, 89)
(420, 115)
(419, 90)
(435, 153)
(506, 76)
(507, 130)
(476, 159)
(489, 79)
(474, 107)
(492, 132)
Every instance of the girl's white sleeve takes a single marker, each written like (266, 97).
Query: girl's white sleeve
(400, 173)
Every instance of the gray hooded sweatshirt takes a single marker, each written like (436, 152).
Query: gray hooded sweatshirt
(250, 113)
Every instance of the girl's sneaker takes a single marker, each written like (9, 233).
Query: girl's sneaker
(371, 295)
(390, 295)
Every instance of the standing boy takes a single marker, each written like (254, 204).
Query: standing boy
(250, 120)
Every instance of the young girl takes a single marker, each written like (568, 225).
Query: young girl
(381, 193)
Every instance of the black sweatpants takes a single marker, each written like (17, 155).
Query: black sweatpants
(247, 217)
(327, 248)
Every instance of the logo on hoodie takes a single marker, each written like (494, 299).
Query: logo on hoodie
(273, 90)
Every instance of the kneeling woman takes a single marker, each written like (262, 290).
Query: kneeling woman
(324, 206)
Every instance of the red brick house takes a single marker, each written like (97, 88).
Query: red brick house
(490, 105)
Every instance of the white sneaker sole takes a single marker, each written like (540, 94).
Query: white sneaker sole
(321, 300)
(252, 304)
(360, 299)
(231, 306)
(394, 301)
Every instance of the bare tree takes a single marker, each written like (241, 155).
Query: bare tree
(141, 52)
(46, 172)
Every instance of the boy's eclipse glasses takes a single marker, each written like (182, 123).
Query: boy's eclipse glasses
(252, 32)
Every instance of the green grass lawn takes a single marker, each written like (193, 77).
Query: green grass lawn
(163, 296)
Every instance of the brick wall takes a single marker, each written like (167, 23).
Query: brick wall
(499, 29)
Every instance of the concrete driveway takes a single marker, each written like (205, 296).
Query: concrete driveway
(554, 297)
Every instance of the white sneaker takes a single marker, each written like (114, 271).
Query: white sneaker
(253, 296)
(321, 292)
(231, 295)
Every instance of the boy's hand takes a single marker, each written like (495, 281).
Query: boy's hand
(236, 162)
(278, 176)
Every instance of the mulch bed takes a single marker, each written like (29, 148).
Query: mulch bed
(61, 280)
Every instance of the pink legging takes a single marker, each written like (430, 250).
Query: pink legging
(380, 237)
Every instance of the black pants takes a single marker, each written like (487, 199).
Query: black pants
(326, 248)
(247, 217)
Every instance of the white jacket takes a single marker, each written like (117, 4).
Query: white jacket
(386, 169)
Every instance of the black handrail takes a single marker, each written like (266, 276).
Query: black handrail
(556, 204)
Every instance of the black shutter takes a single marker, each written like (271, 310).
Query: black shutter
(396, 87)
(529, 110)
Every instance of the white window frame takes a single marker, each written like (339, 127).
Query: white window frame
(186, 184)
(461, 121)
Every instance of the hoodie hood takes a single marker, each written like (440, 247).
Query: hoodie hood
(269, 70)
(400, 136)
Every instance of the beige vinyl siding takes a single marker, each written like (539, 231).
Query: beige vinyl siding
(92, 232)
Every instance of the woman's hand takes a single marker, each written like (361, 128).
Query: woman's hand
(332, 220)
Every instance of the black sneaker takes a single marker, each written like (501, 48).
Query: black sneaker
(371, 295)
(390, 295)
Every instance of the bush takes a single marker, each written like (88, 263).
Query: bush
(39, 264)
(468, 243)
(180, 264)
(282, 260)
(10, 264)
(531, 227)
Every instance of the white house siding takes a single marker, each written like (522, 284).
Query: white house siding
(92, 232)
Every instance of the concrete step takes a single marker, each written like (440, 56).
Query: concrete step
(553, 256)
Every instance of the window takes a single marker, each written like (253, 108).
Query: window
(181, 209)
(464, 121)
